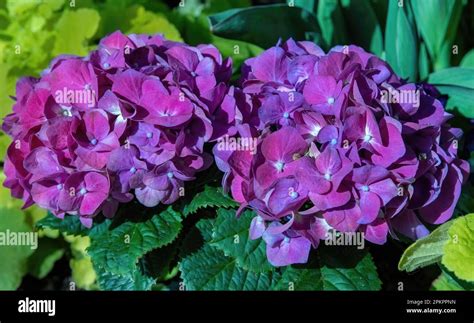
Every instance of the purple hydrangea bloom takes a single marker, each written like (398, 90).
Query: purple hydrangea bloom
(342, 143)
(129, 120)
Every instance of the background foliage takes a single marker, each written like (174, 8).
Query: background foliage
(191, 245)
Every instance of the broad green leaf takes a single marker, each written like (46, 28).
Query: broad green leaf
(433, 17)
(424, 63)
(459, 99)
(445, 283)
(364, 32)
(401, 43)
(210, 269)
(231, 235)
(70, 224)
(133, 280)
(210, 197)
(309, 5)
(336, 269)
(205, 228)
(14, 264)
(239, 51)
(425, 251)
(83, 273)
(74, 30)
(332, 23)
(117, 250)
(468, 59)
(43, 259)
(300, 279)
(361, 277)
(264, 25)
(459, 249)
(456, 76)
(150, 23)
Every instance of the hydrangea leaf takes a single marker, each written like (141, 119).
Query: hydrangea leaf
(69, 225)
(205, 228)
(231, 235)
(118, 249)
(281, 21)
(362, 276)
(341, 269)
(13, 270)
(425, 251)
(43, 259)
(459, 249)
(239, 51)
(131, 280)
(83, 273)
(75, 29)
(210, 269)
(300, 279)
(210, 197)
(332, 23)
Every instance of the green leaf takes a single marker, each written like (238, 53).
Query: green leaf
(309, 5)
(74, 30)
(205, 228)
(69, 225)
(239, 51)
(468, 59)
(231, 235)
(82, 272)
(335, 269)
(425, 251)
(364, 32)
(147, 22)
(433, 17)
(459, 99)
(300, 279)
(210, 197)
(280, 21)
(210, 269)
(332, 23)
(401, 43)
(117, 250)
(424, 62)
(43, 259)
(445, 283)
(134, 280)
(14, 257)
(459, 249)
(456, 76)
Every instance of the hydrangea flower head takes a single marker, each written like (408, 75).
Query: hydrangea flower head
(343, 144)
(129, 120)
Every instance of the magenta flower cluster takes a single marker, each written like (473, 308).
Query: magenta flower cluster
(131, 117)
(342, 144)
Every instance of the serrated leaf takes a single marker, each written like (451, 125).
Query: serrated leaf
(458, 254)
(133, 280)
(210, 269)
(69, 225)
(425, 251)
(205, 228)
(231, 235)
(43, 259)
(74, 30)
(117, 250)
(210, 197)
(335, 269)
